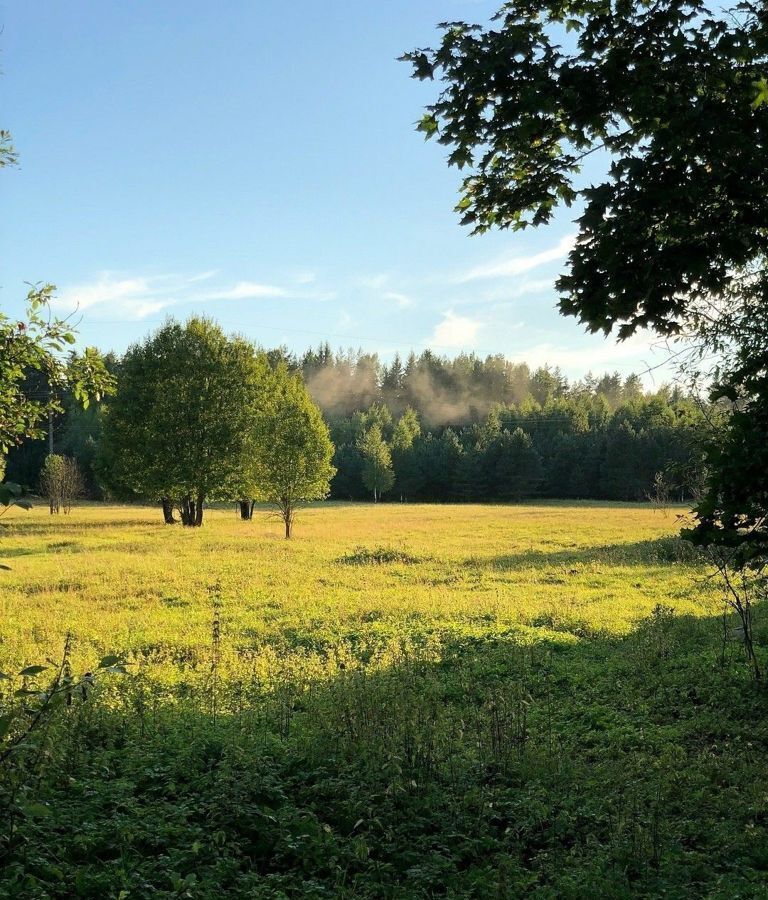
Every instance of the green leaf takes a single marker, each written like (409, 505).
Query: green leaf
(33, 670)
(427, 125)
(35, 810)
(109, 661)
(5, 724)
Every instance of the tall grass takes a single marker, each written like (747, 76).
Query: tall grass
(402, 701)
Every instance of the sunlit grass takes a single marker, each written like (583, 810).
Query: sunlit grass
(357, 581)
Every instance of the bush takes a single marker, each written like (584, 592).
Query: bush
(61, 482)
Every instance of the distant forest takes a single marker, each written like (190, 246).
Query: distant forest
(462, 429)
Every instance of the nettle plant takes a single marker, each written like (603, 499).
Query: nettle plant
(32, 702)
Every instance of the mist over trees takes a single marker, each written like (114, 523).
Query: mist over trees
(671, 228)
(435, 429)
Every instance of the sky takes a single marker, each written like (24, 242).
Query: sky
(258, 162)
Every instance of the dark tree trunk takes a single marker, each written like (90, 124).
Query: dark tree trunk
(192, 511)
(168, 511)
(287, 528)
(246, 509)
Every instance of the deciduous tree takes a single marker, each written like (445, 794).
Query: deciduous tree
(181, 424)
(378, 476)
(672, 98)
(293, 452)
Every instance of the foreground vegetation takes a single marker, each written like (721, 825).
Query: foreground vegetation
(404, 701)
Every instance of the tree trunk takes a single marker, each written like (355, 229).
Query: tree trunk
(191, 511)
(168, 511)
(246, 509)
(287, 528)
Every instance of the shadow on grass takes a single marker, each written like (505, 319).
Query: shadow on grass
(661, 551)
(56, 526)
(507, 765)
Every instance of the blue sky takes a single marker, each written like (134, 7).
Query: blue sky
(257, 161)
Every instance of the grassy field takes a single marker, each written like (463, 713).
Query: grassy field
(121, 582)
(402, 701)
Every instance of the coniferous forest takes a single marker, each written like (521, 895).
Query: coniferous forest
(459, 429)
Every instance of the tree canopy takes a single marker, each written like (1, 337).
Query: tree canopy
(37, 345)
(669, 99)
(293, 452)
(181, 423)
(377, 472)
(672, 94)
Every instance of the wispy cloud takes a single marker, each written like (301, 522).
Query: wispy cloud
(105, 290)
(372, 282)
(244, 290)
(139, 297)
(400, 300)
(455, 332)
(503, 295)
(642, 351)
(345, 321)
(518, 265)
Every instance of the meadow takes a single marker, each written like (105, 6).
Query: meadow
(402, 701)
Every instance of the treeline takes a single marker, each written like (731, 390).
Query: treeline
(572, 446)
(458, 429)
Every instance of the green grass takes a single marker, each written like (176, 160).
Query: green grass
(403, 701)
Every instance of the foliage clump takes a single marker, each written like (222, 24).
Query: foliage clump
(377, 556)
(61, 483)
(181, 426)
(293, 450)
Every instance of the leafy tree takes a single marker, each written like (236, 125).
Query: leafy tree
(37, 345)
(733, 512)
(293, 452)
(405, 432)
(347, 483)
(61, 482)
(437, 458)
(8, 155)
(181, 424)
(34, 350)
(673, 95)
(378, 475)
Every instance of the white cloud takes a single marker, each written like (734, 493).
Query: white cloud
(455, 332)
(344, 321)
(203, 276)
(105, 290)
(245, 290)
(373, 282)
(400, 300)
(503, 295)
(517, 265)
(140, 297)
(639, 353)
